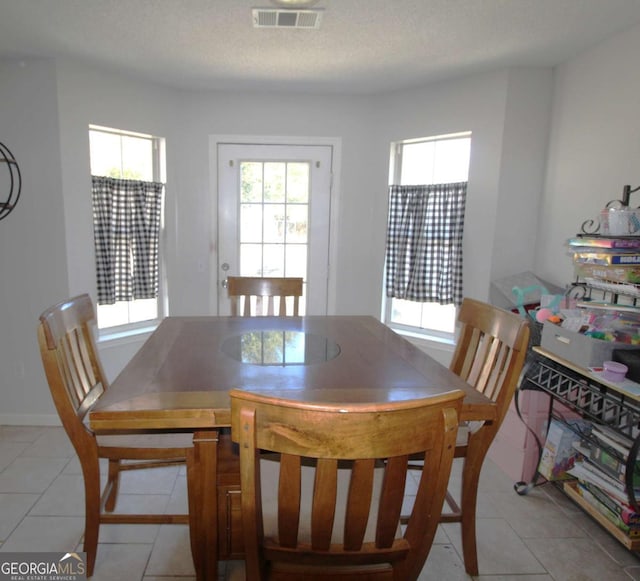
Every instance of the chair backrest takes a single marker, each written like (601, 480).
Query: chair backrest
(71, 363)
(263, 288)
(342, 473)
(490, 352)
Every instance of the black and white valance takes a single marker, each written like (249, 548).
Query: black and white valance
(126, 227)
(424, 242)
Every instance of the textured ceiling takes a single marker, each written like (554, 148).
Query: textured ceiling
(363, 46)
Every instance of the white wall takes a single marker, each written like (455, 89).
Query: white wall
(594, 148)
(347, 118)
(522, 163)
(44, 114)
(507, 113)
(33, 269)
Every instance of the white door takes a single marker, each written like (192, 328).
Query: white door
(273, 217)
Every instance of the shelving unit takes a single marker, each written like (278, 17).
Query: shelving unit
(597, 400)
(592, 397)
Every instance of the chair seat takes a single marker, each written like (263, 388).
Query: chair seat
(465, 429)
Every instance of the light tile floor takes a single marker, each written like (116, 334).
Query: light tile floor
(539, 537)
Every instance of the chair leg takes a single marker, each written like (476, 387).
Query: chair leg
(112, 486)
(92, 499)
(476, 451)
(468, 523)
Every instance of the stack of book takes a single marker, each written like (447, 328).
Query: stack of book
(601, 478)
(608, 259)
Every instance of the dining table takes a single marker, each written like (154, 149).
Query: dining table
(180, 378)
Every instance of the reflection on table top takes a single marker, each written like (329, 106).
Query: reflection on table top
(279, 347)
(181, 376)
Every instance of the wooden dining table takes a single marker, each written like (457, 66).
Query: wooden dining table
(181, 376)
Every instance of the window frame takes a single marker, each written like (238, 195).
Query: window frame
(395, 173)
(158, 174)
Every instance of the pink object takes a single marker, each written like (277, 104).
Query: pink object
(543, 314)
(614, 371)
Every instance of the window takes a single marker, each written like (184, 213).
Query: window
(428, 161)
(128, 165)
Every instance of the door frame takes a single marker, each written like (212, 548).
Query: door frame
(335, 143)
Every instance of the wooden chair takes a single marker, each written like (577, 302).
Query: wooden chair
(261, 288)
(489, 355)
(328, 506)
(76, 380)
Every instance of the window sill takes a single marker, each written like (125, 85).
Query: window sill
(424, 336)
(438, 347)
(123, 335)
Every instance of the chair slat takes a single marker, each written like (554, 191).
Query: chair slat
(498, 371)
(81, 365)
(395, 477)
(484, 363)
(482, 347)
(463, 364)
(69, 347)
(68, 378)
(89, 356)
(358, 503)
(289, 500)
(323, 511)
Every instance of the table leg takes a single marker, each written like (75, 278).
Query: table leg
(202, 462)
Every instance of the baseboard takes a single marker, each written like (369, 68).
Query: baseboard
(29, 420)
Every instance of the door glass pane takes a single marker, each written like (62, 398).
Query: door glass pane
(274, 223)
(298, 183)
(273, 260)
(250, 259)
(297, 223)
(250, 181)
(250, 223)
(274, 182)
(296, 260)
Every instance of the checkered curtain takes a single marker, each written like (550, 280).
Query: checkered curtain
(126, 229)
(424, 242)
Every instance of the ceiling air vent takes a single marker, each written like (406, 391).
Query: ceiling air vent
(274, 18)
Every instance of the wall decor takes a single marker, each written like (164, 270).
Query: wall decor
(10, 181)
